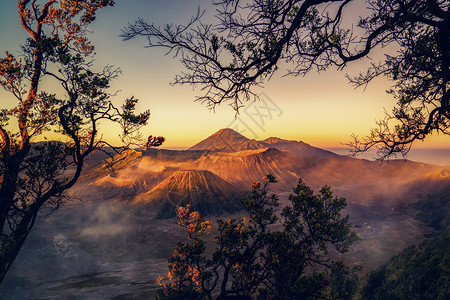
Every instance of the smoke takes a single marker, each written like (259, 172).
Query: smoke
(394, 183)
(63, 246)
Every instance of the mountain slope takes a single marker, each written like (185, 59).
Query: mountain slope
(360, 181)
(296, 147)
(416, 273)
(242, 168)
(207, 193)
(224, 140)
(229, 140)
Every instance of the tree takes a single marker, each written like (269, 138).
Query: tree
(251, 38)
(252, 257)
(34, 176)
(416, 273)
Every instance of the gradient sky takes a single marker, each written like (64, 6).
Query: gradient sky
(323, 110)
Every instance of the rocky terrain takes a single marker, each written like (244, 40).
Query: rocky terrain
(113, 234)
(205, 191)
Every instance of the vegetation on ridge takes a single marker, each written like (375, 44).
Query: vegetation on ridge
(420, 272)
(252, 258)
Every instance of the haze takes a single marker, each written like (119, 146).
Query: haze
(322, 110)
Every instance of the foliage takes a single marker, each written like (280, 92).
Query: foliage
(434, 209)
(185, 274)
(252, 258)
(251, 39)
(34, 175)
(417, 273)
(154, 141)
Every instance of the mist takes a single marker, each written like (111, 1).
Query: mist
(103, 244)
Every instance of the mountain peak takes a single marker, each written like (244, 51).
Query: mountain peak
(223, 140)
(228, 140)
(229, 133)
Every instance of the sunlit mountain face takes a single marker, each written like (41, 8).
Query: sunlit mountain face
(113, 235)
(239, 161)
(229, 140)
(206, 192)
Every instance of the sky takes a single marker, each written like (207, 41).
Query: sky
(323, 110)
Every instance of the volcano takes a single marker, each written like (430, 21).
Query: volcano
(227, 140)
(205, 191)
(214, 168)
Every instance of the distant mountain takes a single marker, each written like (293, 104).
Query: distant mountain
(208, 193)
(299, 147)
(226, 140)
(273, 140)
(239, 161)
(250, 145)
(229, 140)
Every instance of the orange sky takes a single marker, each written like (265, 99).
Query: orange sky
(323, 110)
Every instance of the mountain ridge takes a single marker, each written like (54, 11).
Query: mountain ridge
(227, 139)
(360, 181)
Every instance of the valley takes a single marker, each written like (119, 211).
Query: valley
(113, 234)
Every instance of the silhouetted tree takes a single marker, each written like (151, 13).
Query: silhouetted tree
(251, 38)
(252, 257)
(35, 175)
